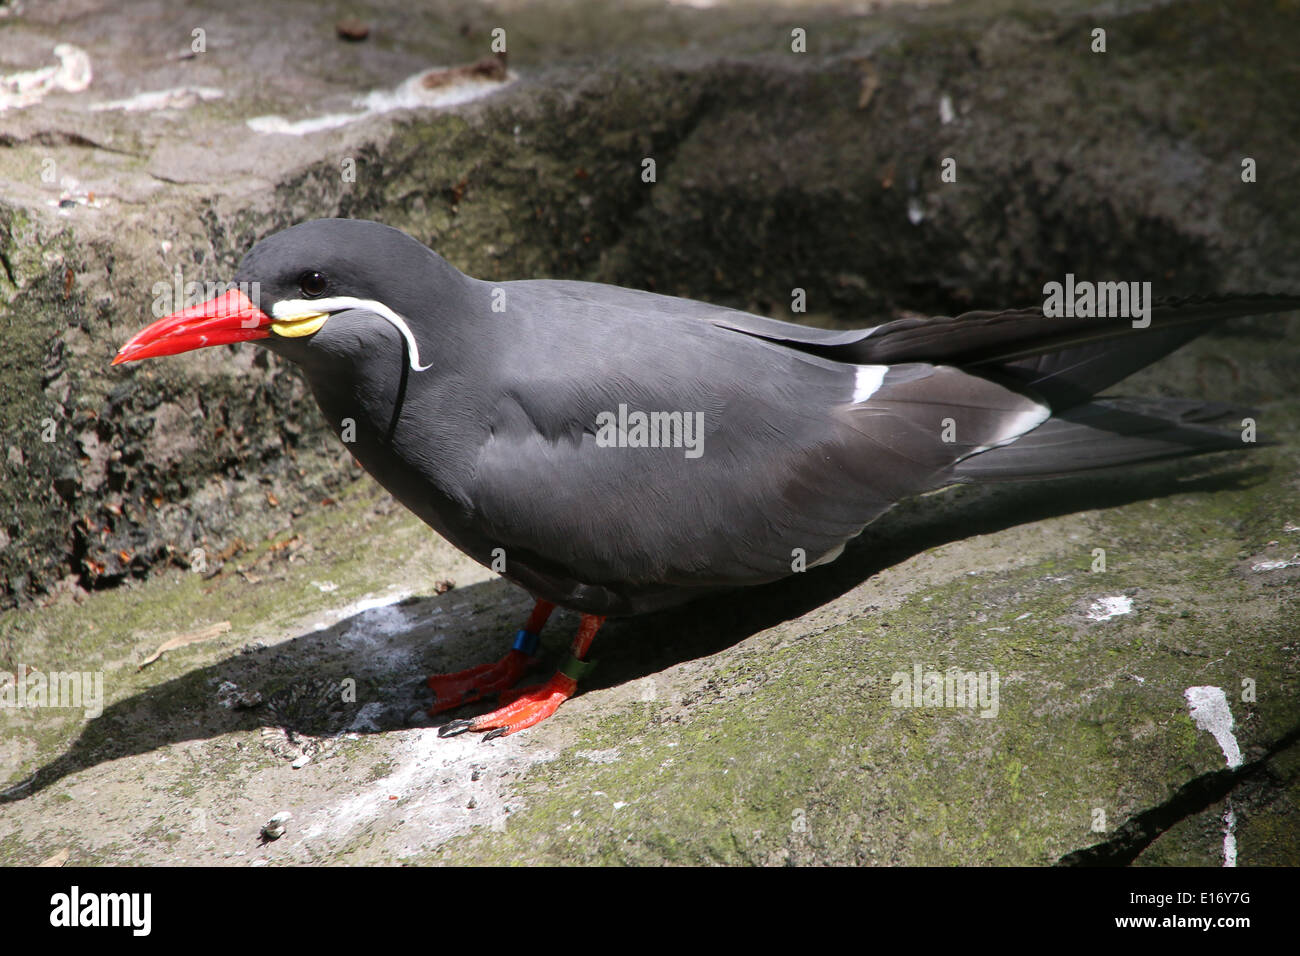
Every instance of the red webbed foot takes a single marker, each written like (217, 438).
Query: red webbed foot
(465, 687)
(531, 705)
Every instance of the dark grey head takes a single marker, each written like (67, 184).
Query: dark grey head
(339, 291)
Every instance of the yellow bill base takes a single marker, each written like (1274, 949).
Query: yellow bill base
(299, 326)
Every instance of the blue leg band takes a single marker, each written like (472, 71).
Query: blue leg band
(527, 642)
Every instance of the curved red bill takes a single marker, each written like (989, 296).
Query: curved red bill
(231, 317)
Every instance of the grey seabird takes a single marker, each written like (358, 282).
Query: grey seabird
(615, 451)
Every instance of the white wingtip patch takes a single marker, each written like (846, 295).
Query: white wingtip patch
(1020, 424)
(867, 380)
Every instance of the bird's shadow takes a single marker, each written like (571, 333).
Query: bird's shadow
(387, 652)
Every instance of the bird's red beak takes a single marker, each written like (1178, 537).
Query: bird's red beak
(231, 317)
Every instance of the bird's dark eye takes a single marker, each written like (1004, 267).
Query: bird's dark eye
(312, 283)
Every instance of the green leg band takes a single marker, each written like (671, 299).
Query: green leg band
(575, 669)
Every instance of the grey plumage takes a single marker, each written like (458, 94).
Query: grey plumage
(494, 445)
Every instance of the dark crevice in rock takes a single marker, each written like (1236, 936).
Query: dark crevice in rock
(1197, 795)
(59, 137)
(9, 269)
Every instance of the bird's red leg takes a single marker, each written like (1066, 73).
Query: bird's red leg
(467, 686)
(532, 705)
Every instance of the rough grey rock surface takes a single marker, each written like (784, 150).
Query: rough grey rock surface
(751, 730)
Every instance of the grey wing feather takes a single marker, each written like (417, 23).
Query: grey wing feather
(1109, 432)
(629, 528)
(623, 530)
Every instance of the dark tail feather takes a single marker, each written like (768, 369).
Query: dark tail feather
(1002, 338)
(1111, 432)
(1070, 377)
(1063, 360)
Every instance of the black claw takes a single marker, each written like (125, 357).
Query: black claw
(494, 734)
(454, 728)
